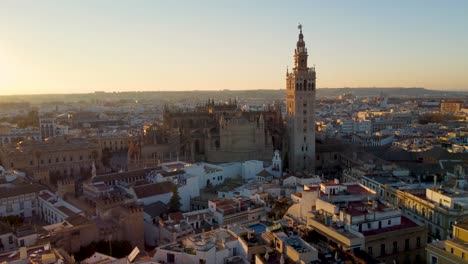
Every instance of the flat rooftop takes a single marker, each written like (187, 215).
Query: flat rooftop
(297, 244)
(405, 223)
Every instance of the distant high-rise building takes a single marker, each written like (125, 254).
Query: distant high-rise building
(300, 111)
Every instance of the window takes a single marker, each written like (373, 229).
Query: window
(31, 162)
(389, 222)
(56, 159)
(22, 243)
(418, 242)
(395, 247)
(170, 258)
(407, 244)
(369, 251)
(10, 239)
(451, 250)
(21, 205)
(382, 249)
(9, 208)
(202, 261)
(434, 260)
(368, 225)
(81, 157)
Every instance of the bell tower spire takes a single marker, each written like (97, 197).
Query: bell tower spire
(300, 111)
(300, 54)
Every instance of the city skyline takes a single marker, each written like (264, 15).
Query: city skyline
(104, 171)
(82, 47)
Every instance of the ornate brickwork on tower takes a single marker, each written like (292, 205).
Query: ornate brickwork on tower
(300, 111)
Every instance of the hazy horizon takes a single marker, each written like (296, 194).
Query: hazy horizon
(225, 90)
(62, 47)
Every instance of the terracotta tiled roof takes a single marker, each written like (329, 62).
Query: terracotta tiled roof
(264, 173)
(153, 189)
(177, 216)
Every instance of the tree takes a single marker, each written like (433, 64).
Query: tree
(29, 120)
(174, 203)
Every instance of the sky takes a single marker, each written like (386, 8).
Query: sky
(68, 46)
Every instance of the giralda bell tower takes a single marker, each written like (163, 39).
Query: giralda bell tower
(300, 111)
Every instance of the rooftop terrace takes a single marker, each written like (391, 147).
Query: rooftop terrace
(297, 244)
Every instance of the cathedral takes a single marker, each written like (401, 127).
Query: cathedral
(221, 132)
(214, 132)
(300, 111)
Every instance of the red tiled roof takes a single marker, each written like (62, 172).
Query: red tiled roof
(312, 187)
(224, 202)
(357, 189)
(264, 173)
(177, 216)
(45, 196)
(149, 190)
(330, 183)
